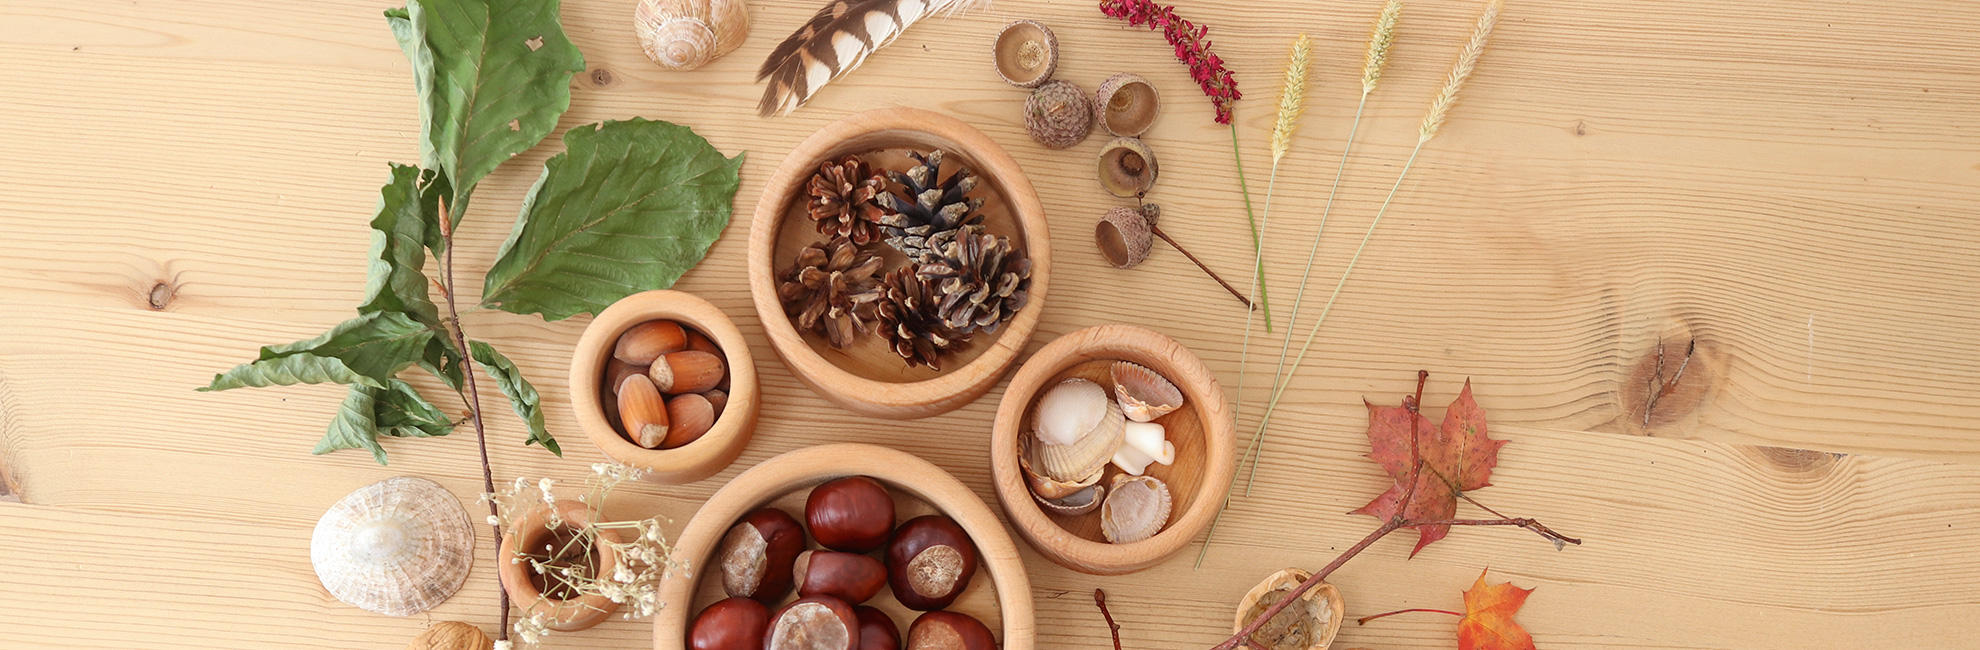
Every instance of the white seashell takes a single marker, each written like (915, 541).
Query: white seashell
(1131, 460)
(1136, 508)
(1087, 454)
(1143, 394)
(1046, 487)
(1083, 501)
(687, 34)
(1069, 410)
(396, 547)
(1168, 454)
(1146, 437)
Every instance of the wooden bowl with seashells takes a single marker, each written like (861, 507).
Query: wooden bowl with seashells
(1111, 449)
(998, 593)
(877, 365)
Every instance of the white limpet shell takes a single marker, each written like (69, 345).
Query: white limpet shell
(1080, 502)
(1136, 508)
(397, 547)
(1146, 437)
(1131, 460)
(1070, 410)
(1045, 487)
(1143, 394)
(1089, 452)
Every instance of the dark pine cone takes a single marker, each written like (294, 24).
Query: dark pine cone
(843, 199)
(834, 289)
(927, 208)
(981, 278)
(916, 331)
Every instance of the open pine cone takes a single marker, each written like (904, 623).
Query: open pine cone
(983, 280)
(927, 208)
(844, 199)
(915, 330)
(834, 289)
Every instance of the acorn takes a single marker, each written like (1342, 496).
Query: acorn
(689, 416)
(946, 630)
(686, 371)
(1126, 104)
(850, 577)
(1058, 114)
(730, 624)
(643, 412)
(642, 343)
(813, 623)
(853, 514)
(1127, 167)
(1125, 235)
(1026, 53)
(930, 562)
(756, 555)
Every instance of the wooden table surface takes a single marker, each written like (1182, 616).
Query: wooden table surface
(1790, 185)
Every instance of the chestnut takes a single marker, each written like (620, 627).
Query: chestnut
(756, 555)
(730, 624)
(813, 623)
(852, 514)
(850, 577)
(930, 562)
(946, 630)
(877, 630)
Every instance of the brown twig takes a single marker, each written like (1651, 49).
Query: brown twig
(1365, 619)
(1199, 264)
(474, 404)
(1100, 599)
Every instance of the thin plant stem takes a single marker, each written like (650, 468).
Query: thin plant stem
(1365, 619)
(474, 397)
(1199, 264)
(1257, 246)
(1100, 600)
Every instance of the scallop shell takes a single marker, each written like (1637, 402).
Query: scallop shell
(397, 547)
(1069, 410)
(1046, 487)
(1089, 453)
(1136, 508)
(1143, 394)
(1080, 502)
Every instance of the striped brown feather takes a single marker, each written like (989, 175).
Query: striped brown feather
(792, 67)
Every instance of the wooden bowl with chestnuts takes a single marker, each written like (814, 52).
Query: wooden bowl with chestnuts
(845, 547)
(663, 381)
(898, 259)
(1111, 449)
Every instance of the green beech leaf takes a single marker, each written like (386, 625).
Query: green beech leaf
(500, 75)
(629, 206)
(396, 281)
(522, 396)
(396, 410)
(366, 350)
(422, 65)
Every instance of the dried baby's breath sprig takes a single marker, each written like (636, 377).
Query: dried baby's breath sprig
(1379, 40)
(1440, 108)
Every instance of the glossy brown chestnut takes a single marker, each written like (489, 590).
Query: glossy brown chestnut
(946, 630)
(813, 623)
(877, 630)
(930, 562)
(852, 514)
(850, 577)
(730, 624)
(757, 553)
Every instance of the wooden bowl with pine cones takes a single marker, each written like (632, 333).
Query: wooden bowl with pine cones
(898, 259)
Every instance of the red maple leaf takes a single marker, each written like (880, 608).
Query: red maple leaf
(1488, 617)
(1457, 457)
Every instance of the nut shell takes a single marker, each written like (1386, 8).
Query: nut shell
(930, 562)
(1124, 237)
(1136, 508)
(853, 514)
(1126, 104)
(1026, 54)
(1127, 167)
(1309, 625)
(1058, 114)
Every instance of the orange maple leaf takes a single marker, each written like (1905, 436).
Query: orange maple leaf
(1488, 617)
(1457, 456)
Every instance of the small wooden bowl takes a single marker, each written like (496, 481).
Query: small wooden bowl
(868, 378)
(1321, 595)
(565, 615)
(696, 460)
(918, 487)
(1201, 430)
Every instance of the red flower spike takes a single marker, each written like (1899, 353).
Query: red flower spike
(1192, 48)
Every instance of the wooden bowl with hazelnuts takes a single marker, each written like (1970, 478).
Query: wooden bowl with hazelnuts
(663, 381)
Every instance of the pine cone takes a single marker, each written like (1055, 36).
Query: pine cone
(927, 208)
(833, 289)
(844, 199)
(982, 279)
(915, 330)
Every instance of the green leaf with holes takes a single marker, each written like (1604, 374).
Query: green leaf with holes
(366, 350)
(629, 206)
(522, 396)
(397, 280)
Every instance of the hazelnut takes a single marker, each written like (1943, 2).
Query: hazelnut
(850, 577)
(642, 343)
(698, 341)
(930, 562)
(688, 416)
(617, 371)
(853, 514)
(730, 624)
(877, 630)
(643, 412)
(813, 623)
(946, 630)
(756, 555)
(686, 371)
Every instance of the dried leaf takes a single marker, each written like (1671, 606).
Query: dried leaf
(522, 396)
(1488, 617)
(366, 350)
(366, 413)
(1457, 457)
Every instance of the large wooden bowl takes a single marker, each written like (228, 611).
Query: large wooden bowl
(696, 460)
(867, 378)
(918, 487)
(1202, 431)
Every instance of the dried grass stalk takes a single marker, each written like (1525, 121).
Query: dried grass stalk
(1292, 98)
(1379, 40)
(1440, 108)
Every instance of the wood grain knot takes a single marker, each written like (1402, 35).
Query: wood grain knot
(601, 78)
(1797, 461)
(1668, 384)
(160, 295)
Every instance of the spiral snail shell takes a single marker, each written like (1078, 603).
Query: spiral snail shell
(687, 34)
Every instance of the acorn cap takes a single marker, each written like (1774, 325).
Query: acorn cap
(1058, 114)
(1026, 53)
(1124, 236)
(1126, 104)
(1127, 167)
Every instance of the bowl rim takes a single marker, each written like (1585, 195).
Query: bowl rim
(1124, 342)
(810, 466)
(957, 386)
(710, 453)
